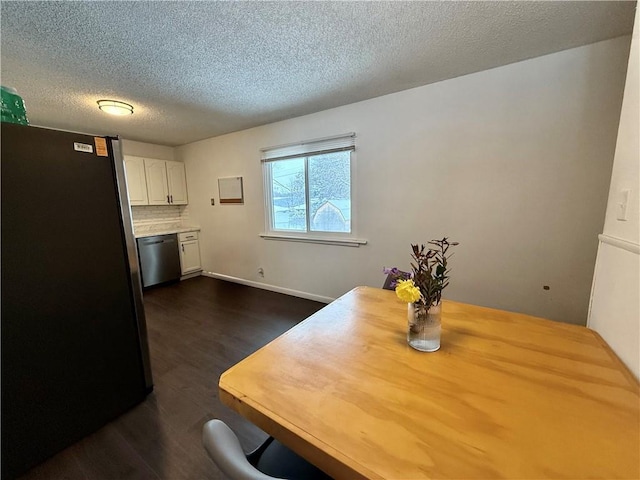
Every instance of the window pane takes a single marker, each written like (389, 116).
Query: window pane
(288, 204)
(330, 192)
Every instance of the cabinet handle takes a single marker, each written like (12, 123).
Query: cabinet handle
(182, 247)
(168, 199)
(171, 198)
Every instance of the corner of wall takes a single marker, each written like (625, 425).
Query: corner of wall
(614, 310)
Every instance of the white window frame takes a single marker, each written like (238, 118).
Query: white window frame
(309, 148)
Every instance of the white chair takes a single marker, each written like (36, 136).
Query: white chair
(270, 461)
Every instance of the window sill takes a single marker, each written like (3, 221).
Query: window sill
(343, 242)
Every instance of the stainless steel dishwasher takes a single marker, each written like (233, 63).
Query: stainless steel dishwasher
(159, 259)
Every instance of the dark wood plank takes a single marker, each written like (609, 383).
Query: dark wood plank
(197, 328)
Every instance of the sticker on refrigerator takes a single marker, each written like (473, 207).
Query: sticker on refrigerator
(82, 147)
(101, 146)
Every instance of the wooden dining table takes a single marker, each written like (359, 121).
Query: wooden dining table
(507, 396)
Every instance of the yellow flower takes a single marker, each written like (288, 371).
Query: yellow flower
(407, 291)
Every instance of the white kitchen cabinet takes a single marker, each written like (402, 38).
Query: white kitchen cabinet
(136, 180)
(166, 182)
(157, 188)
(177, 181)
(189, 252)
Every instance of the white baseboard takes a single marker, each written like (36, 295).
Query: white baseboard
(272, 288)
(191, 275)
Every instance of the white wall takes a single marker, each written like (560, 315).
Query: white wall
(615, 301)
(514, 163)
(148, 150)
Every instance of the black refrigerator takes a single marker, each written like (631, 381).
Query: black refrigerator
(74, 352)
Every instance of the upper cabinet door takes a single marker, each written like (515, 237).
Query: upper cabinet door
(157, 189)
(177, 180)
(136, 180)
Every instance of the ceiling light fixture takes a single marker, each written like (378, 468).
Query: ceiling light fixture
(115, 107)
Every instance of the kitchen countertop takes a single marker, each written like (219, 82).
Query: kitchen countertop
(150, 230)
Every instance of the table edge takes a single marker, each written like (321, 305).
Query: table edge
(328, 459)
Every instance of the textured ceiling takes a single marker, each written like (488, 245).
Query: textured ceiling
(194, 70)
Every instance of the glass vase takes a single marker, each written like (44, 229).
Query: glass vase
(423, 332)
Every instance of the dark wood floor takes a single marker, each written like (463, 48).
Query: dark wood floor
(198, 328)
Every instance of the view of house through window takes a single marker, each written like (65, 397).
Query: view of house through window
(311, 193)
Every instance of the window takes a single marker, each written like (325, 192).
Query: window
(308, 188)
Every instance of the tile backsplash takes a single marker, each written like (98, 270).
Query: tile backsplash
(159, 214)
